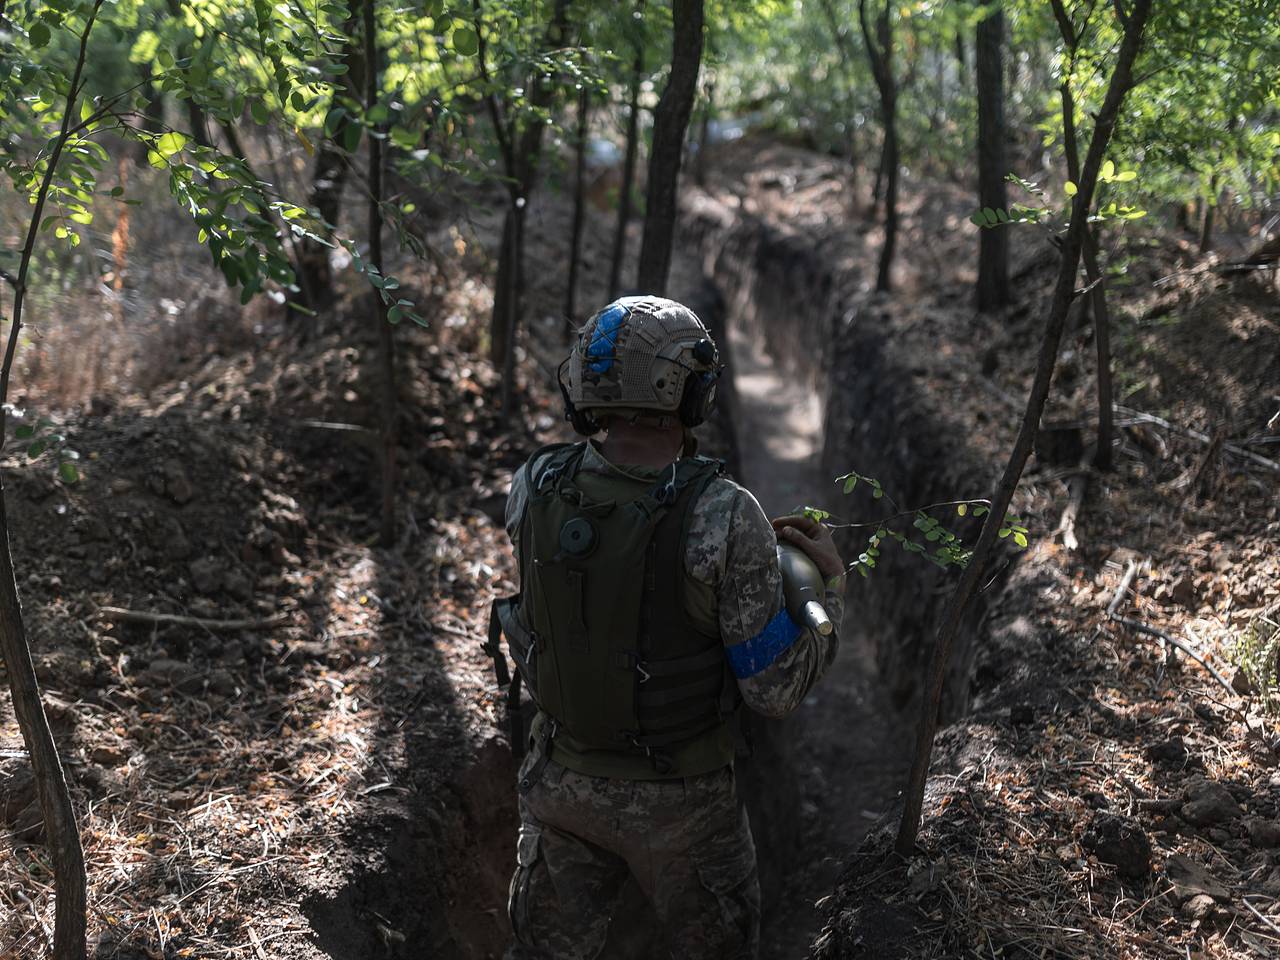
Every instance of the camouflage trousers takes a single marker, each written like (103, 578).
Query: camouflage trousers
(686, 843)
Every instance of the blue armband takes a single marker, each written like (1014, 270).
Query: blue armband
(751, 656)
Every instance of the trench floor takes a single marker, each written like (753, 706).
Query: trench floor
(851, 747)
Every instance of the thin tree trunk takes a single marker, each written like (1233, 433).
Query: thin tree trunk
(1206, 222)
(993, 244)
(386, 343)
(196, 119)
(579, 212)
(704, 132)
(880, 54)
(61, 832)
(520, 155)
(884, 271)
(1098, 293)
(1102, 338)
(670, 121)
(1063, 292)
(329, 176)
(629, 160)
(152, 114)
(513, 242)
(877, 188)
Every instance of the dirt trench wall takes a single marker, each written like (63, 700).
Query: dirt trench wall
(790, 292)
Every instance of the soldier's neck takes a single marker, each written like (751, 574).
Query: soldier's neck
(642, 445)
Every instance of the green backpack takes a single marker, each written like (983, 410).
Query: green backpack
(599, 632)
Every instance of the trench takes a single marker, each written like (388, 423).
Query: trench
(818, 387)
(815, 387)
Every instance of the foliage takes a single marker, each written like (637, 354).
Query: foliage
(934, 542)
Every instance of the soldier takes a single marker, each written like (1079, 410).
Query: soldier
(651, 606)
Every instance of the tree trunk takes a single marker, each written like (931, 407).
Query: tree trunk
(993, 244)
(329, 177)
(1097, 295)
(386, 343)
(629, 160)
(880, 54)
(670, 120)
(196, 119)
(579, 211)
(884, 271)
(152, 114)
(61, 833)
(1206, 222)
(1102, 339)
(521, 156)
(704, 133)
(1063, 292)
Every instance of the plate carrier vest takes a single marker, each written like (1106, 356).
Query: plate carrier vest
(599, 632)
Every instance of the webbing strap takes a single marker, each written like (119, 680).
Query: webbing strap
(710, 687)
(530, 779)
(692, 664)
(494, 647)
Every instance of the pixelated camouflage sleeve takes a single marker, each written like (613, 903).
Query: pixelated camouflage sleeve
(775, 660)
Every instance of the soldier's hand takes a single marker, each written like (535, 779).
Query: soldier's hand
(814, 539)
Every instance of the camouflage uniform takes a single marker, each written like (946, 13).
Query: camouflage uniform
(685, 841)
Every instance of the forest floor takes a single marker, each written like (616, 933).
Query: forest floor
(330, 779)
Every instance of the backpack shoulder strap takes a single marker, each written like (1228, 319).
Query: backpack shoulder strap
(557, 460)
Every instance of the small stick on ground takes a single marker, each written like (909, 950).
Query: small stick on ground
(1201, 437)
(1125, 583)
(1077, 487)
(122, 615)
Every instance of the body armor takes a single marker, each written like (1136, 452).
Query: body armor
(599, 633)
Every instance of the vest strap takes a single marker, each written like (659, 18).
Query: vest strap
(691, 664)
(707, 688)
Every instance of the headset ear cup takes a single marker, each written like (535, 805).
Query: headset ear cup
(583, 423)
(698, 398)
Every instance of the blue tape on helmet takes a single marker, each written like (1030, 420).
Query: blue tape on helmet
(604, 339)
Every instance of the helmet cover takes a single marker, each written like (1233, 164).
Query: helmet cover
(636, 354)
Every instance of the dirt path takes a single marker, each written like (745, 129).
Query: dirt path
(848, 741)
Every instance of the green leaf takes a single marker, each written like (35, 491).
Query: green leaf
(962, 508)
(39, 34)
(850, 482)
(1070, 189)
(1020, 539)
(258, 110)
(1124, 176)
(979, 510)
(1004, 532)
(36, 449)
(465, 42)
(169, 144)
(1108, 171)
(68, 472)
(25, 432)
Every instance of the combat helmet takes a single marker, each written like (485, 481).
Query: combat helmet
(641, 357)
